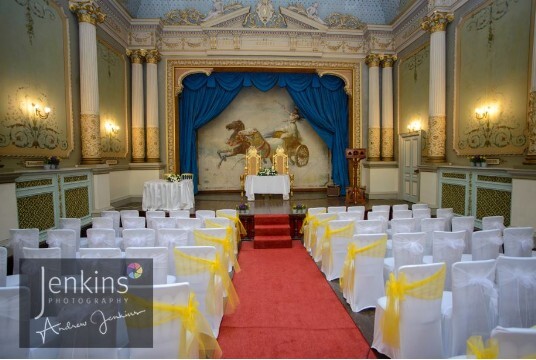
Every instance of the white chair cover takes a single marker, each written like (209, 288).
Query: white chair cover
(467, 224)
(10, 303)
(352, 215)
(334, 247)
(161, 223)
(421, 213)
(139, 238)
(448, 248)
(320, 224)
(356, 208)
(202, 214)
(516, 281)
(428, 226)
(116, 216)
(170, 238)
(19, 238)
(74, 224)
(336, 209)
(420, 321)
(381, 208)
(189, 224)
(419, 206)
(149, 214)
(133, 223)
(486, 244)
(397, 207)
(474, 304)
(101, 238)
(368, 283)
(402, 214)
(493, 222)
(160, 261)
(380, 215)
(179, 213)
(65, 239)
(3, 266)
(223, 222)
(518, 241)
(102, 223)
(128, 213)
(408, 249)
(402, 225)
(100, 253)
(202, 238)
(445, 213)
(306, 227)
(515, 343)
(42, 253)
(200, 282)
(369, 227)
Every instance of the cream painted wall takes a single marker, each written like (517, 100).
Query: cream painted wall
(8, 211)
(129, 183)
(428, 189)
(523, 203)
(101, 192)
(382, 183)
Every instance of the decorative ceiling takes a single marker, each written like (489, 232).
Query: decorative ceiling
(367, 11)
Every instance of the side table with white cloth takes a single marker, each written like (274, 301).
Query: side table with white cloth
(166, 195)
(277, 184)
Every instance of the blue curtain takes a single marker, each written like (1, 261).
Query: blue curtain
(321, 100)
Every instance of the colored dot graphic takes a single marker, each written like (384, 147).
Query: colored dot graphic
(134, 270)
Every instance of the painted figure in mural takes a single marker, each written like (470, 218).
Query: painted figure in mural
(290, 135)
(236, 144)
(312, 12)
(217, 10)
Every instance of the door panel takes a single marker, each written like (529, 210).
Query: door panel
(410, 160)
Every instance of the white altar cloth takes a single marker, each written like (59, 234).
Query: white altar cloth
(278, 184)
(166, 195)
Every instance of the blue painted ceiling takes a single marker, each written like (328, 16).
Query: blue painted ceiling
(368, 11)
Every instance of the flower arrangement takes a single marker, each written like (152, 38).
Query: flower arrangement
(299, 207)
(267, 172)
(242, 207)
(53, 160)
(173, 177)
(478, 160)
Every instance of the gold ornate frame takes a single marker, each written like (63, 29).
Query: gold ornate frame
(177, 70)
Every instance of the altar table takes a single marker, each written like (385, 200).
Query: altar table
(166, 195)
(278, 184)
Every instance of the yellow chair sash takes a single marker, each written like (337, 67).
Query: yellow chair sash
(429, 288)
(374, 249)
(345, 231)
(308, 218)
(192, 320)
(475, 347)
(225, 243)
(315, 223)
(191, 265)
(239, 226)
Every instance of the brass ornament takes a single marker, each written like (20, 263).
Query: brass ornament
(152, 56)
(372, 60)
(388, 60)
(87, 11)
(438, 21)
(137, 55)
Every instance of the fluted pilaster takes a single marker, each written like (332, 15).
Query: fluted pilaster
(89, 14)
(530, 158)
(387, 133)
(138, 123)
(437, 24)
(153, 132)
(373, 62)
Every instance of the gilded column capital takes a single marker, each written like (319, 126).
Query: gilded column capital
(136, 55)
(87, 11)
(438, 21)
(372, 60)
(152, 56)
(387, 60)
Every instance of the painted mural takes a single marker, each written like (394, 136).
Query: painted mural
(492, 79)
(265, 120)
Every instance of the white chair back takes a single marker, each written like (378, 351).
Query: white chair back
(102, 223)
(428, 226)
(74, 224)
(204, 237)
(381, 208)
(518, 241)
(161, 223)
(355, 214)
(160, 260)
(189, 224)
(419, 206)
(445, 213)
(11, 306)
(179, 213)
(408, 249)
(380, 215)
(397, 207)
(316, 241)
(170, 238)
(101, 238)
(42, 253)
(486, 244)
(202, 214)
(133, 223)
(493, 222)
(421, 213)
(467, 224)
(336, 209)
(116, 216)
(356, 208)
(515, 343)
(402, 214)
(100, 253)
(19, 238)
(149, 214)
(369, 226)
(316, 210)
(516, 282)
(128, 213)
(448, 247)
(403, 225)
(139, 238)
(65, 239)
(474, 302)
(3, 266)
(335, 247)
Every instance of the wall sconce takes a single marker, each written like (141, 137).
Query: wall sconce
(483, 113)
(415, 125)
(111, 128)
(39, 114)
(111, 142)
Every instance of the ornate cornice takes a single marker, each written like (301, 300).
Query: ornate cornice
(87, 11)
(152, 56)
(372, 60)
(438, 21)
(137, 55)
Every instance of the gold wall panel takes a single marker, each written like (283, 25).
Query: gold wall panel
(77, 202)
(492, 202)
(453, 196)
(495, 179)
(70, 179)
(33, 183)
(454, 176)
(36, 211)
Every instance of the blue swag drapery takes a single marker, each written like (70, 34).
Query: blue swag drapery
(321, 100)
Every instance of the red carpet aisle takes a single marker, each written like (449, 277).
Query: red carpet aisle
(272, 231)
(287, 310)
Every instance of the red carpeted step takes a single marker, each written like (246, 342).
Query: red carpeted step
(272, 242)
(272, 230)
(271, 219)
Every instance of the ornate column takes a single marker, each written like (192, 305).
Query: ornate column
(138, 125)
(530, 158)
(437, 24)
(89, 14)
(387, 107)
(373, 151)
(153, 135)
